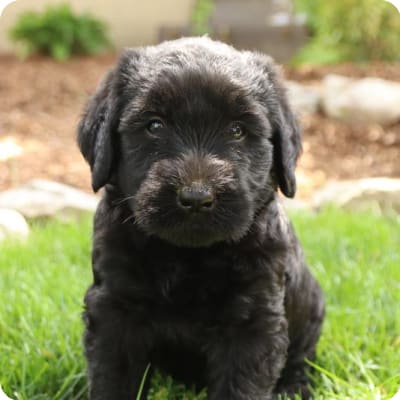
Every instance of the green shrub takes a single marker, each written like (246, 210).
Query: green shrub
(200, 19)
(350, 30)
(59, 33)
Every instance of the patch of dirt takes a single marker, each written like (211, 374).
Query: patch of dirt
(310, 73)
(335, 150)
(41, 101)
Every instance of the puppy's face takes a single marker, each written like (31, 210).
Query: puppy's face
(196, 135)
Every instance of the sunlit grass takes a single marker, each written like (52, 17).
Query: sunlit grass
(355, 257)
(42, 284)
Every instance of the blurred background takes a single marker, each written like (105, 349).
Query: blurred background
(53, 54)
(341, 61)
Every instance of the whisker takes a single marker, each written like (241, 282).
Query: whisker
(117, 202)
(128, 219)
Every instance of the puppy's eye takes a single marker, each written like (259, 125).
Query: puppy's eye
(236, 131)
(155, 125)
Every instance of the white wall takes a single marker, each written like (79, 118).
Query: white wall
(131, 22)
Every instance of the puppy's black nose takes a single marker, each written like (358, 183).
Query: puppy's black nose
(196, 197)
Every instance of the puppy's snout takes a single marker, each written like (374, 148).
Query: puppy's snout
(196, 198)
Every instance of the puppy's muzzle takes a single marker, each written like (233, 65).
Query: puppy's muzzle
(196, 198)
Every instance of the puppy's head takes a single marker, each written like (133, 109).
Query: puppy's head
(196, 134)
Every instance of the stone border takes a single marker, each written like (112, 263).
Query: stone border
(368, 100)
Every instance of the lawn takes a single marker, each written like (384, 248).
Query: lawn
(355, 257)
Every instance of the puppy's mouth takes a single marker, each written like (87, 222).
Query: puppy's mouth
(192, 203)
(194, 235)
(184, 224)
(186, 228)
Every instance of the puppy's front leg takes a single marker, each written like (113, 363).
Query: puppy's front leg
(116, 355)
(246, 361)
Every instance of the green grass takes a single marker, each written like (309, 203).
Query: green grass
(355, 257)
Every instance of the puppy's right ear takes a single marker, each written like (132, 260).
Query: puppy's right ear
(286, 135)
(96, 128)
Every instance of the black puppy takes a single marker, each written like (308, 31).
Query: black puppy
(196, 268)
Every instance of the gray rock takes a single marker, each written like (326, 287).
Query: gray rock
(41, 198)
(381, 195)
(304, 99)
(369, 100)
(12, 224)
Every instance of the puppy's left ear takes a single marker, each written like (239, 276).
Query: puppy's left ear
(286, 135)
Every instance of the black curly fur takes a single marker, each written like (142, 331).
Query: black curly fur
(222, 298)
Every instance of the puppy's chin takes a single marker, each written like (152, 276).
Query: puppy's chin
(195, 234)
(191, 240)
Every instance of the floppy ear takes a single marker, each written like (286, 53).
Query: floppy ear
(286, 139)
(96, 129)
(286, 135)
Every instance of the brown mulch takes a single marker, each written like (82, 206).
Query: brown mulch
(41, 101)
(309, 73)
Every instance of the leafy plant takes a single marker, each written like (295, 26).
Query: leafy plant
(59, 32)
(201, 17)
(350, 30)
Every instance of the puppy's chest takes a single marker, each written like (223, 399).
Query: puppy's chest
(193, 284)
(206, 289)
